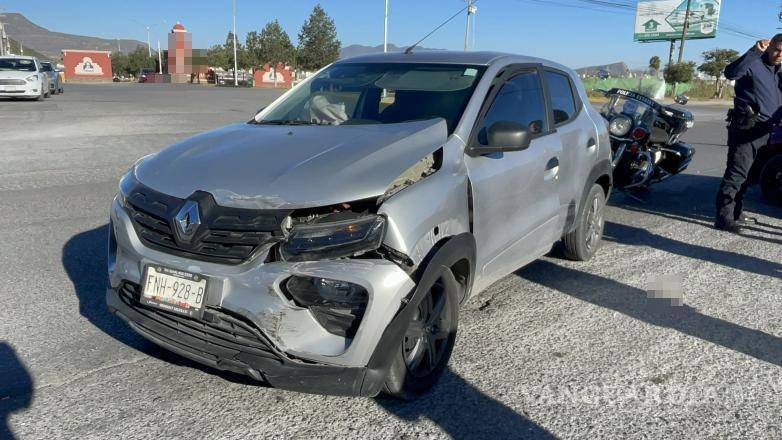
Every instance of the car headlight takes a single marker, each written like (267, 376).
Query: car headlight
(32, 78)
(334, 239)
(620, 125)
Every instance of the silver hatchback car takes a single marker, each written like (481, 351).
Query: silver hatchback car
(327, 244)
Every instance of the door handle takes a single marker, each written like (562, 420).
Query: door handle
(591, 144)
(552, 170)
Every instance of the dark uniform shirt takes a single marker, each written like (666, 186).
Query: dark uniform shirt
(758, 85)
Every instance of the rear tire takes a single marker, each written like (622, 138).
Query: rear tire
(426, 346)
(582, 243)
(771, 180)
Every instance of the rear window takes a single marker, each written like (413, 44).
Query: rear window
(563, 103)
(23, 65)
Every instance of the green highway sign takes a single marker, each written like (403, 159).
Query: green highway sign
(663, 20)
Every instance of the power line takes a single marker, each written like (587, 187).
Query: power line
(410, 48)
(629, 8)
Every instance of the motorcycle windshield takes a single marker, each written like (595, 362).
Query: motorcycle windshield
(639, 112)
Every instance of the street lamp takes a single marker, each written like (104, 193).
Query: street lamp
(236, 64)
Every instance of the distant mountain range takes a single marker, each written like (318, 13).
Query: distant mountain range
(50, 44)
(29, 51)
(355, 50)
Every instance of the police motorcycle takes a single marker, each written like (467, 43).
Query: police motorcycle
(645, 138)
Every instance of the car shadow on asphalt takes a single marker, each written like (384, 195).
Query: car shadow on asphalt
(629, 235)
(16, 387)
(634, 302)
(84, 258)
(463, 411)
(691, 198)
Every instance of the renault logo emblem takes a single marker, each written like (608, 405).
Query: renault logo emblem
(188, 220)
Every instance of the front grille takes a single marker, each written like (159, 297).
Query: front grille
(12, 82)
(219, 336)
(226, 235)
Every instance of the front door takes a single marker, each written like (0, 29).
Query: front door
(515, 193)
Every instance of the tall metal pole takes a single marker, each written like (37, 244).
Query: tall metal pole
(467, 30)
(159, 59)
(670, 54)
(149, 48)
(385, 29)
(119, 46)
(684, 31)
(3, 37)
(236, 64)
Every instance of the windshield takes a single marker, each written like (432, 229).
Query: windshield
(22, 65)
(379, 93)
(640, 113)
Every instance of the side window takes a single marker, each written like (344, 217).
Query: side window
(562, 102)
(520, 100)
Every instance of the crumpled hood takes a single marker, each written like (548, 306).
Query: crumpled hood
(272, 166)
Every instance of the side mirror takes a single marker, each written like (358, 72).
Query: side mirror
(504, 136)
(681, 99)
(509, 135)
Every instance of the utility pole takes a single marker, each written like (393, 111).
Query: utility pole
(471, 9)
(670, 54)
(119, 46)
(385, 29)
(684, 31)
(149, 47)
(159, 59)
(5, 46)
(236, 64)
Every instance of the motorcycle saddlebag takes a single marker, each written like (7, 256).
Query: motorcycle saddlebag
(677, 157)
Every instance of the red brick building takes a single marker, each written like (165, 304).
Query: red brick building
(265, 76)
(87, 65)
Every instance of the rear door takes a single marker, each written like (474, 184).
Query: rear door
(515, 193)
(578, 135)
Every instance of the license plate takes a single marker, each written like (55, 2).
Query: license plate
(174, 290)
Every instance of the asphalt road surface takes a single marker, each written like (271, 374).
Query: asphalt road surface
(558, 349)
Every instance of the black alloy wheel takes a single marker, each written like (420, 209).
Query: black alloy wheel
(426, 340)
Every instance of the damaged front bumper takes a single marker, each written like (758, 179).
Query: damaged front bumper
(250, 326)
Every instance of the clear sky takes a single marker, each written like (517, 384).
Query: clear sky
(577, 36)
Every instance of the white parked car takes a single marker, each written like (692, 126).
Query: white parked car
(22, 77)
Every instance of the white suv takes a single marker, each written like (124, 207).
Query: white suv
(22, 77)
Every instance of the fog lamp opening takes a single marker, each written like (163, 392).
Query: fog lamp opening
(337, 305)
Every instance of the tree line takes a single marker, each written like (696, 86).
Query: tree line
(318, 46)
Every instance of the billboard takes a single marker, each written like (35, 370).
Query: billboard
(663, 20)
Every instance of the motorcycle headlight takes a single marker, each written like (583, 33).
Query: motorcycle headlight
(32, 78)
(334, 239)
(620, 125)
(689, 124)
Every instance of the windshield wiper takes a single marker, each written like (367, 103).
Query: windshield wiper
(288, 122)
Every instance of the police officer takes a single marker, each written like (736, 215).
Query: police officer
(757, 107)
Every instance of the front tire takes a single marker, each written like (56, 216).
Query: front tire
(427, 344)
(771, 180)
(582, 243)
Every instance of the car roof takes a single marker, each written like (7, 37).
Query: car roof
(480, 58)
(430, 56)
(18, 57)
